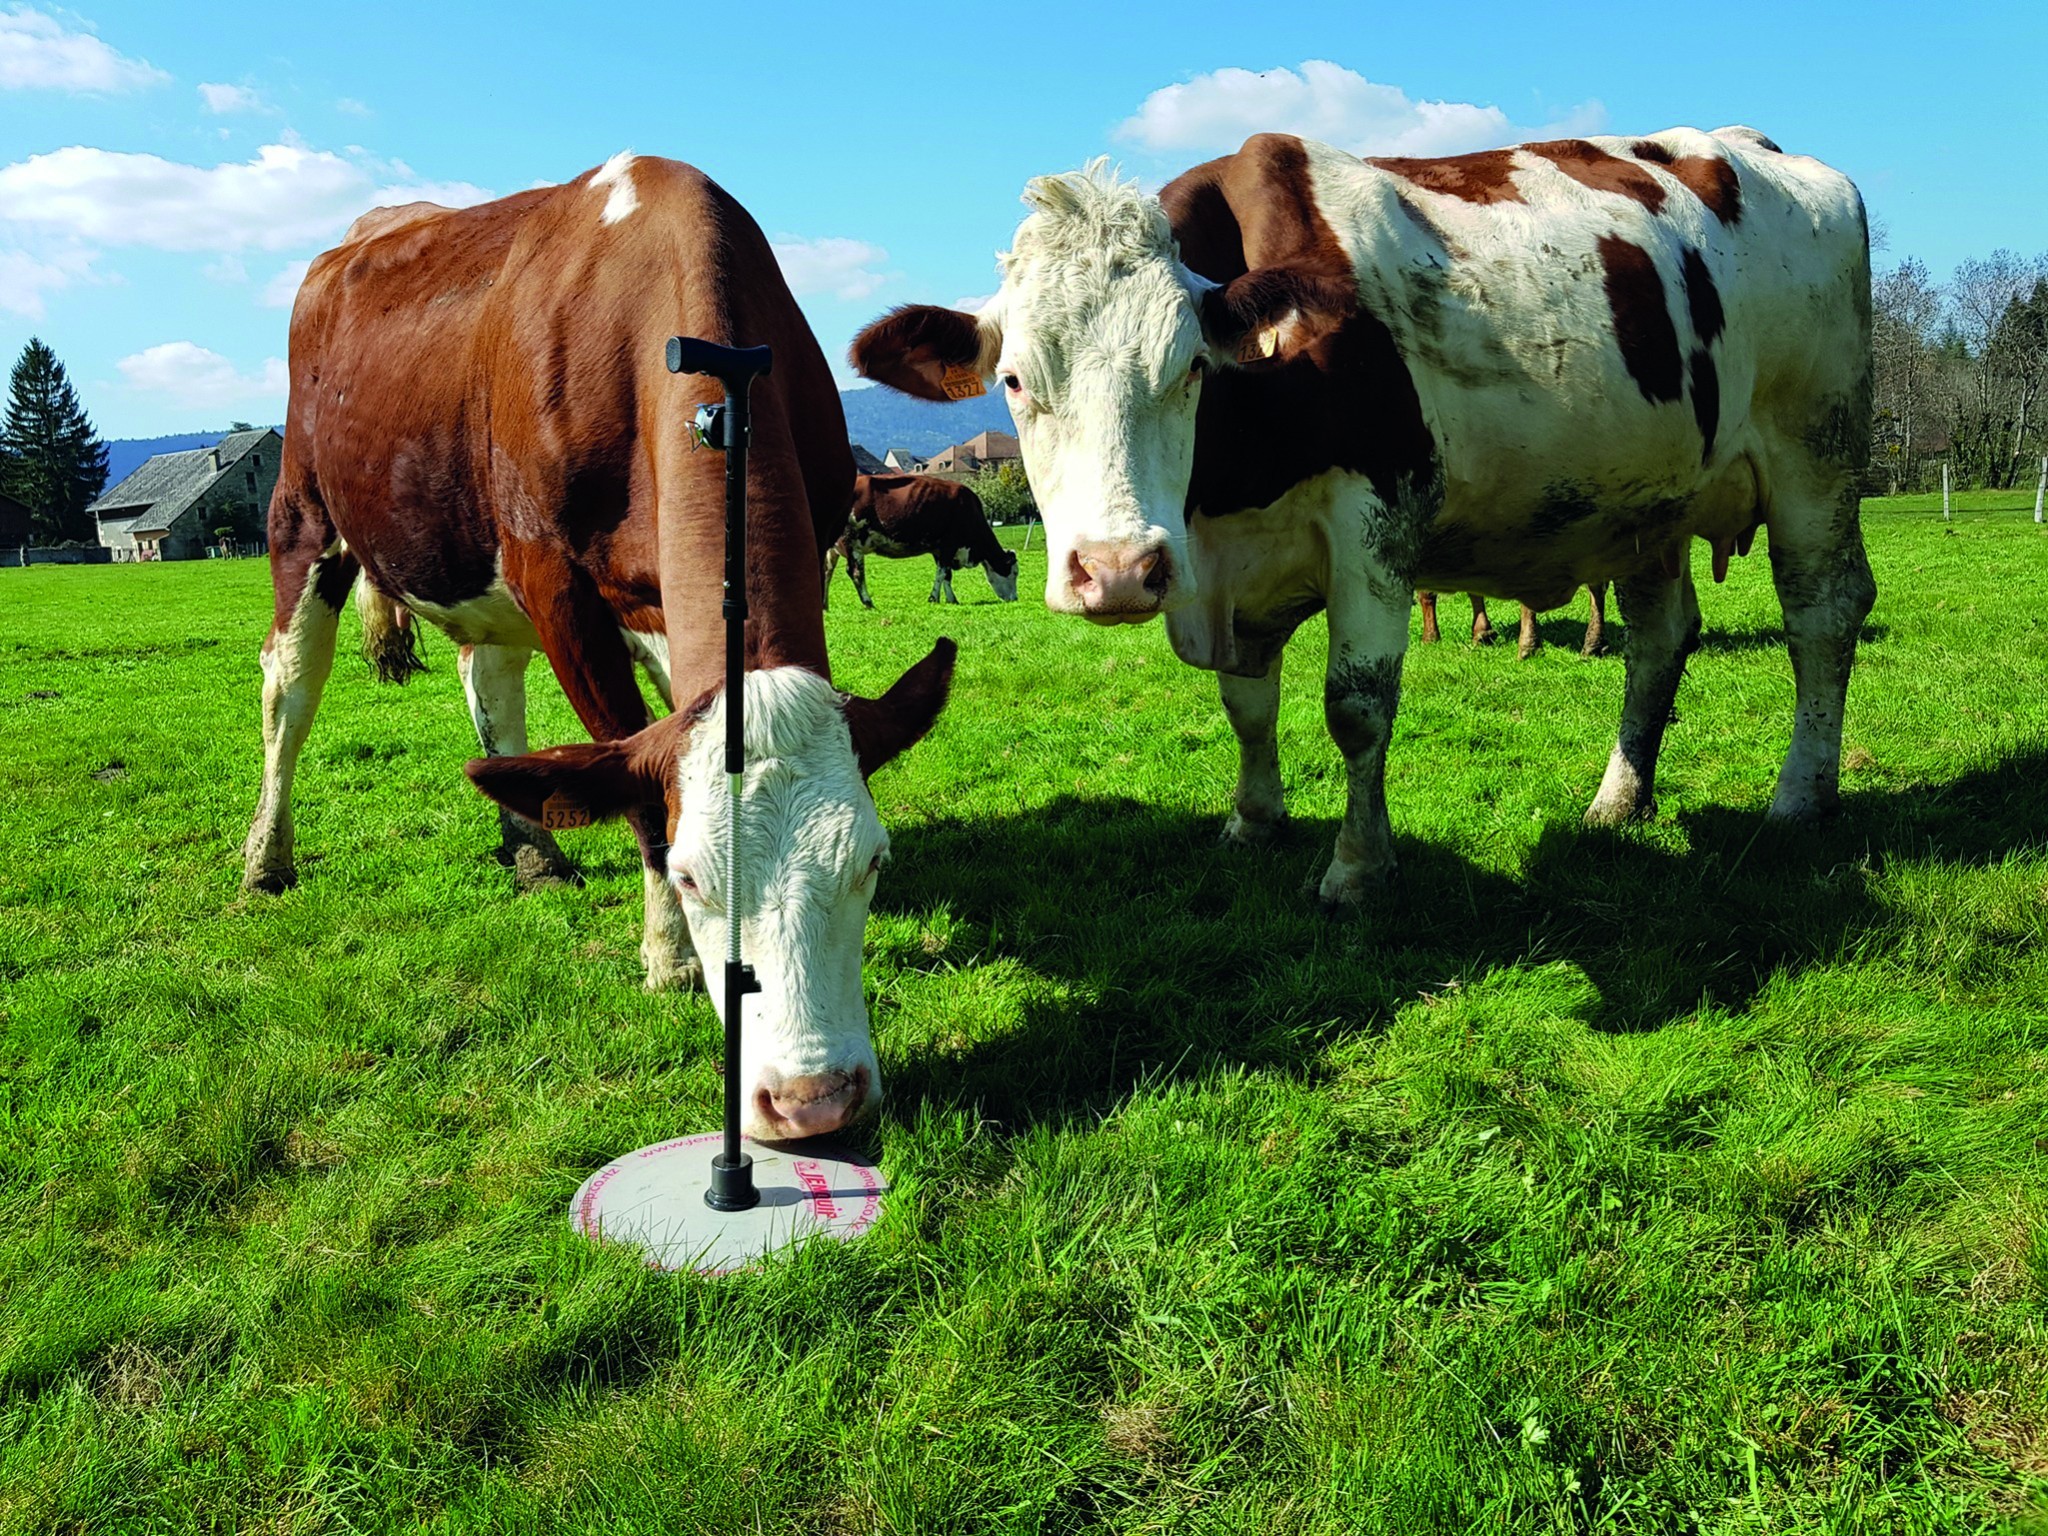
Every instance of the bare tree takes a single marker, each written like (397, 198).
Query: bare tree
(1905, 311)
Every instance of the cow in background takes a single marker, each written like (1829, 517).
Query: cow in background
(1297, 381)
(900, 516)
(1530, 642)
(482, 424)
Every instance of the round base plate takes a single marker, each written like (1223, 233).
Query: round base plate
(654, 1199)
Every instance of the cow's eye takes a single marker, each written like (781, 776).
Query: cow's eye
(1013, 384)
(1198, 367)
(686, 882)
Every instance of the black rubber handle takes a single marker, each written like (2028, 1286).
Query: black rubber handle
(733, 366)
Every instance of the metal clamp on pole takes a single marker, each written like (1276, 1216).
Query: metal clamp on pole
(726, 428)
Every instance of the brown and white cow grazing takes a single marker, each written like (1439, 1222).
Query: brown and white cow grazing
(482, 422)
(898, 516)
(1299, 380)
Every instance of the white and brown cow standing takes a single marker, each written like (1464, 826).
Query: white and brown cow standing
(900, 516)
(1300, 380)
(482, 423)
(1528, 642)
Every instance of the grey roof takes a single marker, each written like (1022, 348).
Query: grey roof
(866, 463)
(158, 493)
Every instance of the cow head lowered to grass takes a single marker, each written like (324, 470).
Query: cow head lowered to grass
(811, 853)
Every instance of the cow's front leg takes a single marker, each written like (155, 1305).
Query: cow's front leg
(1663, 618)
(1253, 706)
(494, 682)
(666, 950)
(1368, 636)
(857, 568)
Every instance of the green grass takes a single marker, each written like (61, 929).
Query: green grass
(1693, 1178)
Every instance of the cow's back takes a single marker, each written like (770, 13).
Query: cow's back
(1606, 338)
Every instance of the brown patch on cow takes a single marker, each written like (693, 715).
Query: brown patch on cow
(1485, 177)
(1713, 181)
(1706, 400)
(1702, 298)
(1249, 221)
(1254, 213)
(1642, 319)
(1651, 150)
(1591, 166)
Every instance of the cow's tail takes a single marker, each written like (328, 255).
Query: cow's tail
(390, 637)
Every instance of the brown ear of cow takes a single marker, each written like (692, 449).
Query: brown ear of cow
(574, 786)
(914, 347)
(1265, 298)
(884, 727)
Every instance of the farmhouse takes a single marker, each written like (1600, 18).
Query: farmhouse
(865, 463)
(902, 461)
(168, 508)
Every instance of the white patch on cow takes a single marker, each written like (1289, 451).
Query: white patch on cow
(617, 174)
(492, 618)
(494, 683)
(810, 845)
(651, 651)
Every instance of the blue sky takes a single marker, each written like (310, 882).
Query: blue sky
(163, 166)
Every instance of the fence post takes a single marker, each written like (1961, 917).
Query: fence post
(1944, 490)
(2041, 487)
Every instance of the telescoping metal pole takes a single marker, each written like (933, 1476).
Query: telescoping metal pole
(726, 428)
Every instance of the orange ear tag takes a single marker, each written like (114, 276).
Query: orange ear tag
(559, 811)
(962, 383)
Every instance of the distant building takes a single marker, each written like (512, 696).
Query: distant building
(866, 463)
(984, 450)
(903, 461)
(993, 447)
(168, 509)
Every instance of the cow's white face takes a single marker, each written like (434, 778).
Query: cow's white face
(812, 850)
(1101, 361)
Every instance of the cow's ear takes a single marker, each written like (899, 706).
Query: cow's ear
(588, 782)
(1271, 302)
(884, 727)
(929, 352)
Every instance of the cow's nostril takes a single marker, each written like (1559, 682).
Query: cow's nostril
(1158, 572)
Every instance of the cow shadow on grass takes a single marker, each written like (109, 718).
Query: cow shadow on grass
(1158, 953)
(1566, 633)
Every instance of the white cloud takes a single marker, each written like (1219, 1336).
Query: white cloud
(37, 53)
(286, 195)
(223, 99)
(972, 303)
(279, 292)
(834, 266)
(1216, 112)
(353, 108)
(229, 269)
(26, 278)
(196, 377)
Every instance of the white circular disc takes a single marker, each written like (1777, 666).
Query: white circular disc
(654, 1199)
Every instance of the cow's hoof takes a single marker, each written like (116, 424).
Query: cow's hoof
(1619, 812)
(1483, 638)
(1593, 648)
(1524, 652)
(534, 869)
(1344, 888)
(1799, 810)
(1240, 833)
(667, 974)
(274, 881)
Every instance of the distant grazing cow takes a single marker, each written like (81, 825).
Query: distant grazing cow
(1298, 380)
(903, 515)
(1530, 642)
(482, 422)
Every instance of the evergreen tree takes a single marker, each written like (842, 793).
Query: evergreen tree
(51, 457)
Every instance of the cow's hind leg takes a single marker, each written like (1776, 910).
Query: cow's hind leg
(494, 682)
(1663, 615)
(1430, 633)
(1826, 590)
(857, 568)
(311, 572)
(1482, 626)
(1361, 690)
(1530, 642)
(1253, 707)
(1595, 643)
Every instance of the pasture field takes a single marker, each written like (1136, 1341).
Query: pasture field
(1688, 1178)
